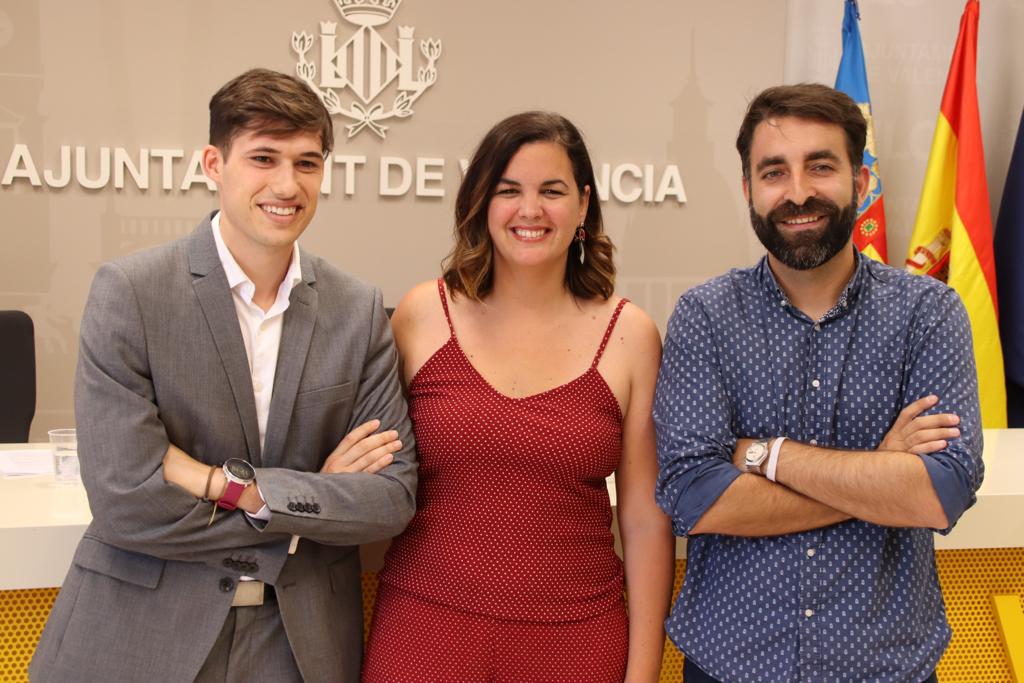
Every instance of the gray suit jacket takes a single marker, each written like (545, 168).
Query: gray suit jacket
(162, 361)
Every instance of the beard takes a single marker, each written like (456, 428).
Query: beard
(810, 248)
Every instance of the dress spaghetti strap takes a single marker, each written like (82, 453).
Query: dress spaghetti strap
(444, 303)
(607, 332)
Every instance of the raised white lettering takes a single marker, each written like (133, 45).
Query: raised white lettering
(194, 174)
(167, 157)
(429, 170)
(387, 189)
(139, 174)
(81, 170)
(20, 165)
(618, 191)
(671, 184)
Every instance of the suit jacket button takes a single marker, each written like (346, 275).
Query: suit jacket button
(252, 566)
(292, 506)
(226, 585)
(316, 508)
(228, 562)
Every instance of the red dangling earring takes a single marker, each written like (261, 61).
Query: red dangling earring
(581, 236)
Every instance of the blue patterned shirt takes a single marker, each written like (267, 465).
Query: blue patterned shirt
(849, 602)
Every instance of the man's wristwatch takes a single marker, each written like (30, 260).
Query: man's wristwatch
(757, 456)
(239, 474)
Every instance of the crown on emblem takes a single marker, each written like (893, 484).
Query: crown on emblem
(368, 12)
(328, 27)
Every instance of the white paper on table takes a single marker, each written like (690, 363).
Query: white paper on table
(26, 462)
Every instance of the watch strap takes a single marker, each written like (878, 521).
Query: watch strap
(773, 458)
(232, 492)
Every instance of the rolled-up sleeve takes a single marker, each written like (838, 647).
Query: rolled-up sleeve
(942, 363)
(692, 416)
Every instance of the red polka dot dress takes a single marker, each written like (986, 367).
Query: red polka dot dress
(512, 524)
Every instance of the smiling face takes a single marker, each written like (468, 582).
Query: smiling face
(536, 207)
(268, 188)
(802, 192)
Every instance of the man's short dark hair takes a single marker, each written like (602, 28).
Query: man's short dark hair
(270, 102)
(811, 101)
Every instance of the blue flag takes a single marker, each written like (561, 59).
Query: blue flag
(1009, 248)
(852, 79)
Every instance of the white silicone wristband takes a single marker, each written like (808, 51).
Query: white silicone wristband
(773, 458)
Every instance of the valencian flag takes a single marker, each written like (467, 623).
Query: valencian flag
(952, 237)
(852, 79)
(1010, 267)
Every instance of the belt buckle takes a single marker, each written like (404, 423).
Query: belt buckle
(248, 594)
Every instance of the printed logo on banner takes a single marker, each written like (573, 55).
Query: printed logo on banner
(365, 65)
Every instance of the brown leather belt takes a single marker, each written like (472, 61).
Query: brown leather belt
(252, 594)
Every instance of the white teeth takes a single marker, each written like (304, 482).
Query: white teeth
(801, 221)
(523, 232)
(279, 210)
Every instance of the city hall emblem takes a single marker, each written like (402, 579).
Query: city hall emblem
(355, 74)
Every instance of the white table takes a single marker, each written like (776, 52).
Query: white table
(40, 526)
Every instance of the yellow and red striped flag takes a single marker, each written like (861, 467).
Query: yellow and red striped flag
(952, 237)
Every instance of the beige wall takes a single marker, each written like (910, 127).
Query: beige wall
(660, 82)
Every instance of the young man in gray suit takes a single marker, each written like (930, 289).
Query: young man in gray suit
(217, 377)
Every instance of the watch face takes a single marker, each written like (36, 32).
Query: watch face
(756, 453)
(240, 469)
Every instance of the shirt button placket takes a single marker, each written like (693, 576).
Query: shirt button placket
(810, 595)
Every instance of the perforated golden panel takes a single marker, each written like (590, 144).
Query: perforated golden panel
(22, 617)
(969, 578)
(369, 599)
(672, 659)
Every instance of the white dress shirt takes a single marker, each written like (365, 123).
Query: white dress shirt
(261, 330)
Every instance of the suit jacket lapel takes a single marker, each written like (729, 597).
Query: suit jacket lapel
(296, 333)
(211, 288)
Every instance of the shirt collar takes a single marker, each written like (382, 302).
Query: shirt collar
(237, 279)
(847, 298)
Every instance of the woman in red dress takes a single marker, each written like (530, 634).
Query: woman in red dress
(529, 383)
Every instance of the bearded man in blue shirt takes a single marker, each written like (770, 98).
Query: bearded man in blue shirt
(817, 421)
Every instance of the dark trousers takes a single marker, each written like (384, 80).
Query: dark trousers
(693, 674)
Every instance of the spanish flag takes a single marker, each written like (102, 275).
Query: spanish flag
(952, 237)
(852, 79)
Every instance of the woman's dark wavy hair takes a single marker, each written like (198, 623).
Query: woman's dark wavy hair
(469, 267)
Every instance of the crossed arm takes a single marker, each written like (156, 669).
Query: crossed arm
(364, 449)
(125, 442)
(923, 473)
(817, 487)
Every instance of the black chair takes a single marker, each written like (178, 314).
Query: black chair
(17, 376)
